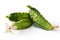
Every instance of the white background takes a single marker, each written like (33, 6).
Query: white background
(50, 9)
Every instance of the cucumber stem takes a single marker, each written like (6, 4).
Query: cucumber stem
(29, 6)
(6, 16)
(55, 27)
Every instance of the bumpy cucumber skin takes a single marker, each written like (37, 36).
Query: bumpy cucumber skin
(21, 20)
(23, 24)
(18, 16)
(39, 19)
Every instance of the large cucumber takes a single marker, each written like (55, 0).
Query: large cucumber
(39, 19)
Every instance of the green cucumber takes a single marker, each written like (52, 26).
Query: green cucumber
(39, 19)
(18, 16)
(22, 24)
(21, 20)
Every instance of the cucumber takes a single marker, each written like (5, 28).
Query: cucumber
(18, 16)
(22, 24)
(21, 20)
(39, 19)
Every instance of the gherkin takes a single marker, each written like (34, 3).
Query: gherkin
(21, 20)
(18, 16)
(22, 24)
(39, 19)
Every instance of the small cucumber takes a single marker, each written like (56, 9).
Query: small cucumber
(39, 19)
(22, 24)
(21, 20)
(18, 16)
